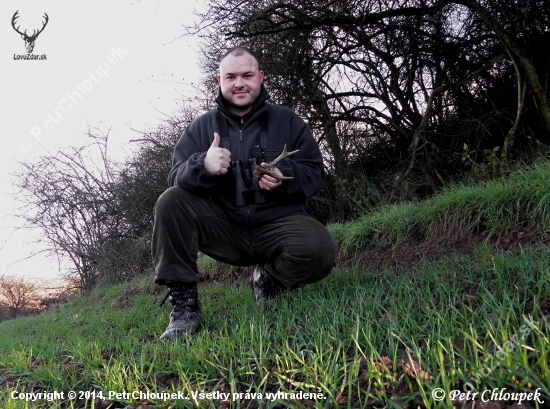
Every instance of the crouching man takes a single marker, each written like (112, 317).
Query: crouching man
(229, 201)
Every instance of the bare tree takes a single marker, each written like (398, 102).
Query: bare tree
(413, 78)
(19, 295)
(95, 214)
(68, 196)
(527, 15)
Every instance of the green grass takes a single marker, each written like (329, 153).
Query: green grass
(362, 338)
(359, 338)
(519, 199)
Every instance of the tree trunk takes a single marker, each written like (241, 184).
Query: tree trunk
(321, 106)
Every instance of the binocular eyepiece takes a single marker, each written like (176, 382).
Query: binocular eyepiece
(247, 189)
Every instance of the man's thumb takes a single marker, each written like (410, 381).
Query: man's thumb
(216, 141)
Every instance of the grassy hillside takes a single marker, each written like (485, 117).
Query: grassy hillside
(408, 334)
(518, 200)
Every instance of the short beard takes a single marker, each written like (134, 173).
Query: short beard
(240, 107)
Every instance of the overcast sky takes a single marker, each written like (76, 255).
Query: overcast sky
(108, 63)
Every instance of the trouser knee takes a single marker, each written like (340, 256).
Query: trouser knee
(170, 202)
(306, 264)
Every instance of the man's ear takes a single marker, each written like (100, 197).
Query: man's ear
(261, 76)
(219, 79)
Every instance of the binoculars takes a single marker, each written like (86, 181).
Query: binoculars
(247, 190)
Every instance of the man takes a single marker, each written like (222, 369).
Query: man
(217, 206)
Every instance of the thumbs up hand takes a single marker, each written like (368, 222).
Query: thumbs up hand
(217, 160)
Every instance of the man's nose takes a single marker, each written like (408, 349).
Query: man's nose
(239, 82)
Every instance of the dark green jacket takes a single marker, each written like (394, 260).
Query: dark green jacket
(284, 126)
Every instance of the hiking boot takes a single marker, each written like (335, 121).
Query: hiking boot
(187, 315)
(265, 288)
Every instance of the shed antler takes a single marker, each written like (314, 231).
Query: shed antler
(283, 155)
(260, 170)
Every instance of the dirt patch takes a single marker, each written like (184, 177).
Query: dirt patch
(7, 381)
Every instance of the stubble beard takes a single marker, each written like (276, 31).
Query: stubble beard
(244, 106)
(241, 107)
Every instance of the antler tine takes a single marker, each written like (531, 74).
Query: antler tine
(283, 155)
(45, 22)
(43, 26)
(15, 16)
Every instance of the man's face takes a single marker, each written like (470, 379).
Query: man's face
(240, 81)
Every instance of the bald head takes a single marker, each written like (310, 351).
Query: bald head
(239, 52)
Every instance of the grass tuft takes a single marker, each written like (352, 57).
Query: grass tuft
(521, 199)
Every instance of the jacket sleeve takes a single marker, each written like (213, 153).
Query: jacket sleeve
(306, 165)
(188, 170)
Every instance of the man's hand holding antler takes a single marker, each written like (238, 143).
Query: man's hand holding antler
(268, 182)
(269, 177)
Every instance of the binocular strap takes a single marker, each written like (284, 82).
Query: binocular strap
(224, 134)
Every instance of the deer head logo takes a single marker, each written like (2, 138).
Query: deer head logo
(29, 40)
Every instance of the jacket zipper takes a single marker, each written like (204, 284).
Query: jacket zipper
(241, 129)
(241, 146)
